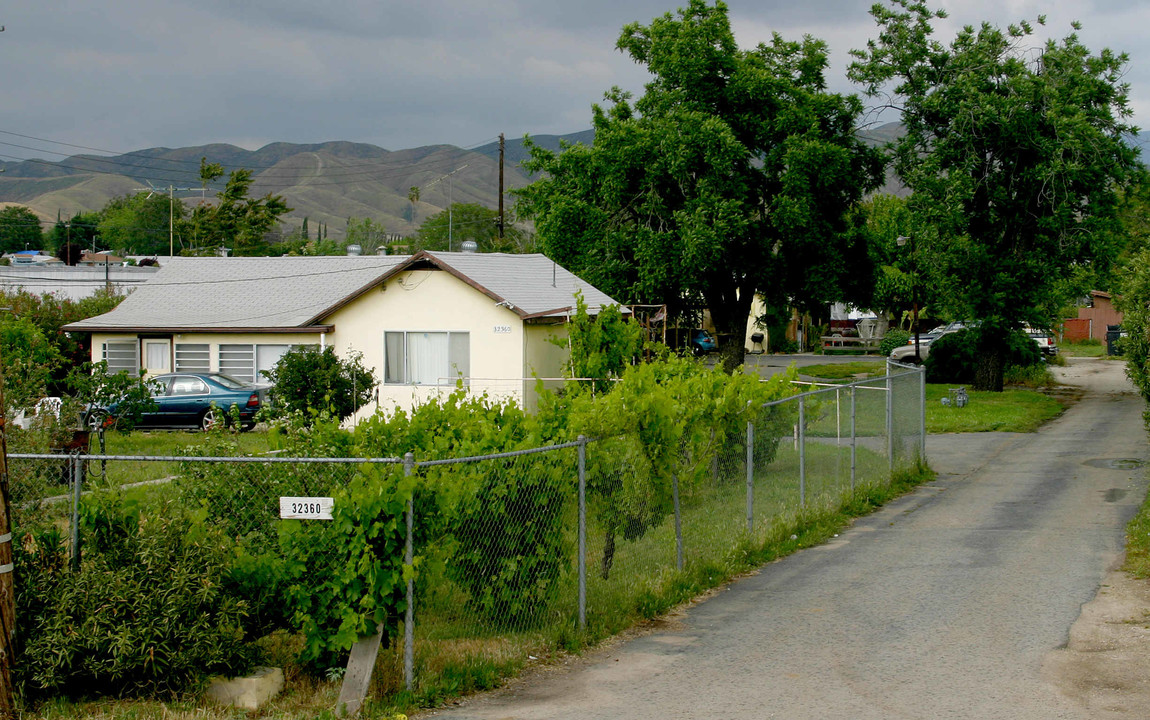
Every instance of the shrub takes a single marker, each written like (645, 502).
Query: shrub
(347, 576)
(509, 535)
(954, 356)
(147, 613)
(893, 339)
(309, 381)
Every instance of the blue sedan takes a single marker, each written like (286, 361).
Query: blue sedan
(192, 400)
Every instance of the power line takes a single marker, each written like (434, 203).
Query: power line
(271, 171)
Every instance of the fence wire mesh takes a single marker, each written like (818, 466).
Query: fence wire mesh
(499, 574)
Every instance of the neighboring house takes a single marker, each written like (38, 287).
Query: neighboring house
(89, 259)
(32, 257)
(1094, 315)
(72, 283)
(422, 322)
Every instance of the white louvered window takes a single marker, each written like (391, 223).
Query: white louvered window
(427, 358)
(238, 361)
(193, 357)
(122, 356)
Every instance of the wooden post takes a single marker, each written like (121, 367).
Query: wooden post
(7, 585)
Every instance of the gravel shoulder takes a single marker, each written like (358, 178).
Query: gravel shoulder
(1105, 664)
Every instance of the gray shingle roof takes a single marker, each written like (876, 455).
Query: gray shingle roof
(296, 292)
(533, 284)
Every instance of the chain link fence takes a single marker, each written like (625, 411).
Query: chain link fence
(525, 547)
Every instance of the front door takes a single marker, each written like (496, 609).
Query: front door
(157, 356)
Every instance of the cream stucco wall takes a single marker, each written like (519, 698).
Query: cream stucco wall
(434, 300)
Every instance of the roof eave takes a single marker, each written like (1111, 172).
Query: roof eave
(200, 329)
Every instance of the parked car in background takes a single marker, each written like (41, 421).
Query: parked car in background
(905, 353)
(1044, 339)
(702, 342)
(191, 400)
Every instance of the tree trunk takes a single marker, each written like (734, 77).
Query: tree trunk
(990, 360)
(608, 555)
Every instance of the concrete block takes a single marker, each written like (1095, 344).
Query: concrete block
(247, 692)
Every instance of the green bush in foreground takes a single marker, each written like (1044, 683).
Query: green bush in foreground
(146, 614)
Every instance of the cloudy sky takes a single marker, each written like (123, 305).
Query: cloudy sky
(128, 74)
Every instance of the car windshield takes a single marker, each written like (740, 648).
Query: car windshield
(229, 382)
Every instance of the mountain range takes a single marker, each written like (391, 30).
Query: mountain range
(327, 183)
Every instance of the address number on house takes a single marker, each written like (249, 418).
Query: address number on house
(502, 329)
(306, 508)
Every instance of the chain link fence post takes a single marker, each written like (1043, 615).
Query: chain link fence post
(678, 522)
(750, 476)
(802, 451)
(854, 438)
(922, 414)
(408, 559)
(889, 418)
(77, 466)
(582, 533)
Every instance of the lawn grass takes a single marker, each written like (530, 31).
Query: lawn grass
(1089, 348)
(847, 371)
(1012, 410)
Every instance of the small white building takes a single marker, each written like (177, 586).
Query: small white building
(424, 322)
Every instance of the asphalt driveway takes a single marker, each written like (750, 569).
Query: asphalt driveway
(941, 605)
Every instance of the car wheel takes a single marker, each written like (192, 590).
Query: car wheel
(244, 427)
(698, 351)
(210, 419)
(97, 419)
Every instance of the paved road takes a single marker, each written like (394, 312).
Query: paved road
(941, 605)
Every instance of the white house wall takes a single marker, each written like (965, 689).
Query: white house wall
(435, 301)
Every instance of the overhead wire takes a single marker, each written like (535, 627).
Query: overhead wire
(378, 170)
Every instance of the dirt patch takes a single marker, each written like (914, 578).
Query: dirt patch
(1105, 666)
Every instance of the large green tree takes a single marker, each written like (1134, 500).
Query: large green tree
(19, 229)
(1014, 157)
(140, 224)
(734, 173)
(470, 221)
(237, 221)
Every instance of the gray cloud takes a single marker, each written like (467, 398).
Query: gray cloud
(138, 73)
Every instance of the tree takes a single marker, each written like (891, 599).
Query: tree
(19, 229)
(237, 221)
(896, 271)
(309, 381)
(79, 233)
(733, 174)
(367, 233)
(140, 224)
(1015, 159)
(469, 221)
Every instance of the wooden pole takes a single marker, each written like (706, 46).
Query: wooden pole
(7, 584)
(500, 218)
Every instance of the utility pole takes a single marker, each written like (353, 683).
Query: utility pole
(450, 188)
(151, 190)
(7, 583)
(499, 220)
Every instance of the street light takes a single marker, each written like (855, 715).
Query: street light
(903, 240)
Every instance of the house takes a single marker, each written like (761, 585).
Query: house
(32, 257)
(73, 283)
(1094, 315)
(422, 322)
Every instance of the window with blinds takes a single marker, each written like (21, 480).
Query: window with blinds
(193, 357)
(122, 356)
